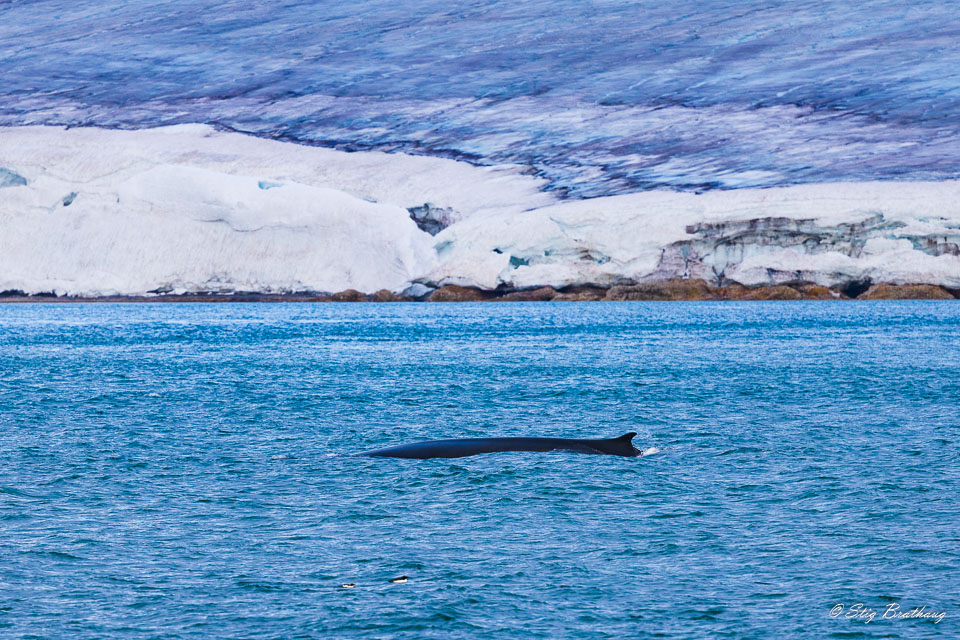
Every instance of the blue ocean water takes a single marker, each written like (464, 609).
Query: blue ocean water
(183, 471)
(599, 97)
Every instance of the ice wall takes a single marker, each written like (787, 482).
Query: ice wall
(832, 234)
(94, 212)
(190, 209)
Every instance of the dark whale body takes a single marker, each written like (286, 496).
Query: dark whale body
(462, 447)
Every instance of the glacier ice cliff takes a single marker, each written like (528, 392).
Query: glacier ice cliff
(93, 212)
(829, 234)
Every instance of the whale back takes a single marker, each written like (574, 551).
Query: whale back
(462, 447)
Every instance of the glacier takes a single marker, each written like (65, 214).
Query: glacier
(188, 208)
(828, 234)
(598, 98)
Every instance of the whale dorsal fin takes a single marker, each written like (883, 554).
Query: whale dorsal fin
(622, 446)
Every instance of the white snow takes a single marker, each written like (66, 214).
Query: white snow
(187, 208)
(606, 240)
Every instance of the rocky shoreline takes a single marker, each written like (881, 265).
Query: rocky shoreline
(692, 289)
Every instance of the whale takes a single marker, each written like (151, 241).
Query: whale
(463, 447)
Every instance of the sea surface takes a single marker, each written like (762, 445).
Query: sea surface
(599, 97)
(185, 471)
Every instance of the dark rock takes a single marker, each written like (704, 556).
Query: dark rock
(430, 218)
(691, 289)
(531, 295)
(885, 291)
(855, 288)
(811, 291)
(580, 293)
(385, 295)
(577, 297)
(733, 291)
(350, 295)
(453, 293)
(775, 292)
(574, 297)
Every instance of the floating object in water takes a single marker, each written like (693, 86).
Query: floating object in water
(463, 447)
(400, 579)
(348, 585)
